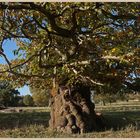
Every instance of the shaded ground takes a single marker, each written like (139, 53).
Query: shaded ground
(119, 120)
(33, 122)
(114, 119)
(18, 120)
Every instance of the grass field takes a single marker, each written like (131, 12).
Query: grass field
(123, 120)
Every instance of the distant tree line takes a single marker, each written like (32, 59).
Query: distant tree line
(130, 90)
(10, 97)
(126, 92)
(40, 96)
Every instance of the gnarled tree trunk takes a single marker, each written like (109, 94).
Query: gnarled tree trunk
(72, 110)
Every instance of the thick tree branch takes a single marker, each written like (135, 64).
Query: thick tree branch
(91, 80)
(6, 59)
(15, 7)
(43, 76)
(11, 69)
(63, 32)
(31, 75)
(74, 21)
(31, 6)
(86, 78)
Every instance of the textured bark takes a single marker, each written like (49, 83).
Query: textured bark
(72, 110)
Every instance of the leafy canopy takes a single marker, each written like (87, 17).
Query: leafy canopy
(94, 43)
(28, 100)
(8, 95)
(40, 96)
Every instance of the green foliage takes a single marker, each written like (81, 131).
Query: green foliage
(20, 101)
(40, 96)
(104, 98)
(28, 100)
(8, 95)
(93, 43)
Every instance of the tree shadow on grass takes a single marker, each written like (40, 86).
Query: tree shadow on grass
(18, 120)
(119, 120)
(113, 120)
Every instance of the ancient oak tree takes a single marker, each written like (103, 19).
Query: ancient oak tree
(71, 47)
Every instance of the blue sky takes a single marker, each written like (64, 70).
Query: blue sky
(8, 47)
(24, 90)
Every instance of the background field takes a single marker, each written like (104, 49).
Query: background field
(122, 119)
